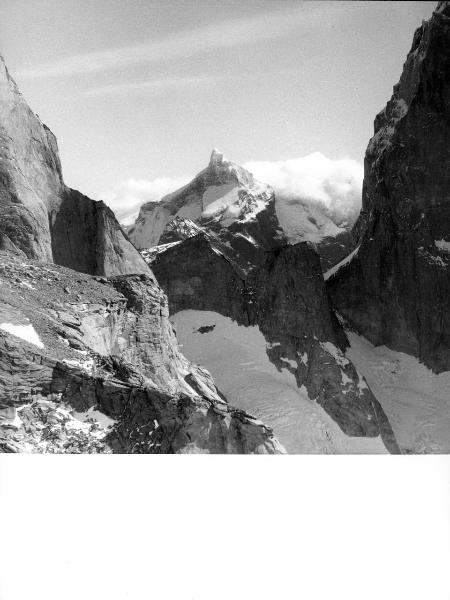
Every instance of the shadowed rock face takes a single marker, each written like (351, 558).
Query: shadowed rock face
(284, 295)
(396, 289)
(39, 215)
(105, 349)
(332, 250)
(86, 237)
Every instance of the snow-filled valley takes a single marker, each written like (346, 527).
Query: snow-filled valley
(237, 359)
(416, 400)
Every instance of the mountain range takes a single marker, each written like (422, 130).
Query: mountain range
(313, 334)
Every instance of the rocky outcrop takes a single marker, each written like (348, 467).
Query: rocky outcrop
(396, 288)
(92, 365)
(40, 216)
(284, 295)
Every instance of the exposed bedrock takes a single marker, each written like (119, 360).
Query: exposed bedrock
(396, 289)
(285, 297)
(40, 216)
(71, 344)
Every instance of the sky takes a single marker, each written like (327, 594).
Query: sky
(139, 92)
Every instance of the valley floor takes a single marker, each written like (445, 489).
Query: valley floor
(415, 400)
(237, 359)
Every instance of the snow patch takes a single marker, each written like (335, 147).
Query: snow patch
(362, 385)
(15, 423)
(218, 198)
(335, 353)
(346, 379)
(255, 206)
(442, 245)
(87, 365)
(74, 424)
(291, 363)
(96, 415)
(345, 261)
(247, 237)
(431, 258)
(228, 203)
(149, 254)
(303, 358)
(24, 332)
(270, 345)
(27, 285)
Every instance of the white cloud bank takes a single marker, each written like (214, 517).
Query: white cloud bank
(332, 186)
(314, 186)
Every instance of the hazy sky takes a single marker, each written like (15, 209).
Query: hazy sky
(145, 89)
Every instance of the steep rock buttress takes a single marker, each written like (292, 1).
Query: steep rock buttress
(395, 290)
(40, 216)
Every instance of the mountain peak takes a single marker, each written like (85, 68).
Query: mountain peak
(216, 157)
(6, 81)
(224, 171)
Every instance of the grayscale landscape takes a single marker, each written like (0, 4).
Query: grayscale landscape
(237, 299)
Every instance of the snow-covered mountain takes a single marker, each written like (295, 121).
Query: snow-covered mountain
(224, 195)
(223, 251)
(226, 198)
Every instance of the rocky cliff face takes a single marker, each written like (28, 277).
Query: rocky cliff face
(39, 215)
(92, 365)
(396, 288)
(284, 295)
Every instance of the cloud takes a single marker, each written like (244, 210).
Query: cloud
(150, 84)
(225, 34)
(127, 197)
(332, 186)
